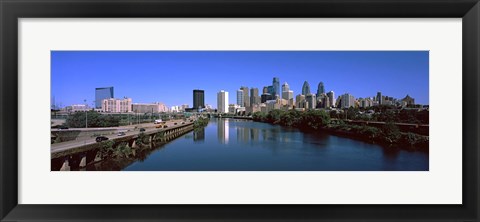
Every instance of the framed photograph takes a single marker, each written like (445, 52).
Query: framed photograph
(224, 110)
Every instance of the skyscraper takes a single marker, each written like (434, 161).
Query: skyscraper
(347, 100)
(321, 89)
(300, 101)
(276, 87)
(287, 94)
(246, 97)
(222, 102)
(240, 97)
(271, 91)
(311, 101)
(198, 99)
(305, 88)
(254, 98)
(265, 89)
(101, 94)
(285, 87)
(331, 97)
(379, 98)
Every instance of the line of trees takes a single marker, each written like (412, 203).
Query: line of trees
(312, 119)
(94, 119)
(316, 120)
(384, 113)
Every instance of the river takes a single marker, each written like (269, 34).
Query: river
(244, 145)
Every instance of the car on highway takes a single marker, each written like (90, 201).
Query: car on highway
(175, 124)
(142, 129)
(165, 126)
(121, 134)
(101, 138)
(63, 127)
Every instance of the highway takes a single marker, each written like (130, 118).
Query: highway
(58, 147)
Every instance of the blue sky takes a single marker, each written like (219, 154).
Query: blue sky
(171, 76)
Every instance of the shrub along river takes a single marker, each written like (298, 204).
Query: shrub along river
(243, 145)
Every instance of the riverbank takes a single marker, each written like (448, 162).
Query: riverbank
(388, 135)
(403, 140)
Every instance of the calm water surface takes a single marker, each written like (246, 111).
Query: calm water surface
(230, 144)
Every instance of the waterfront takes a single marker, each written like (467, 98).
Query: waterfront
(242, 145)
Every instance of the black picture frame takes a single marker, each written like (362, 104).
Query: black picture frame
(11, 11)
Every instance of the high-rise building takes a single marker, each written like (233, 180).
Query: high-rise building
(365, 102)
(113, 105)
(287, 94)
(265, 89)
(347, 100)
(246, 97)
(101, 94)
(285, 87)
(276, 86)
(331, 97)
(300, 101)
(254, 97)
(240, 97)
(265, 97)
(379, 98)
(311, 100)
(198, 99)
(222, 102)
(305, 88)
(271, 91)
(321, 89)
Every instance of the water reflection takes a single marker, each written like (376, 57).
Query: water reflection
(223, 131)
(199, 135)
(265, 147)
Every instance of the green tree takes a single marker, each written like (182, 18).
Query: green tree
(391, 133)
(95, 119)
(315, 119)
(259, 116)
(274, 116)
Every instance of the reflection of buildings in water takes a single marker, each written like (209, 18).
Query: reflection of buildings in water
(254, 134)
(199, 135)
(243, 134)
(264, 134)
(222, 130)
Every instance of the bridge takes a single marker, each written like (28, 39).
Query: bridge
(78, 154)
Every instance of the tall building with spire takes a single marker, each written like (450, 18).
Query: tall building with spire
(276, 87)
(287, 94)
(305, 88)
(320, 89)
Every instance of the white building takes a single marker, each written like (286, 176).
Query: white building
(175, 109)
(113, 105)
(222, 102)
(232, 108)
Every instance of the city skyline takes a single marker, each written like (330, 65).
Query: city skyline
(171, 76)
